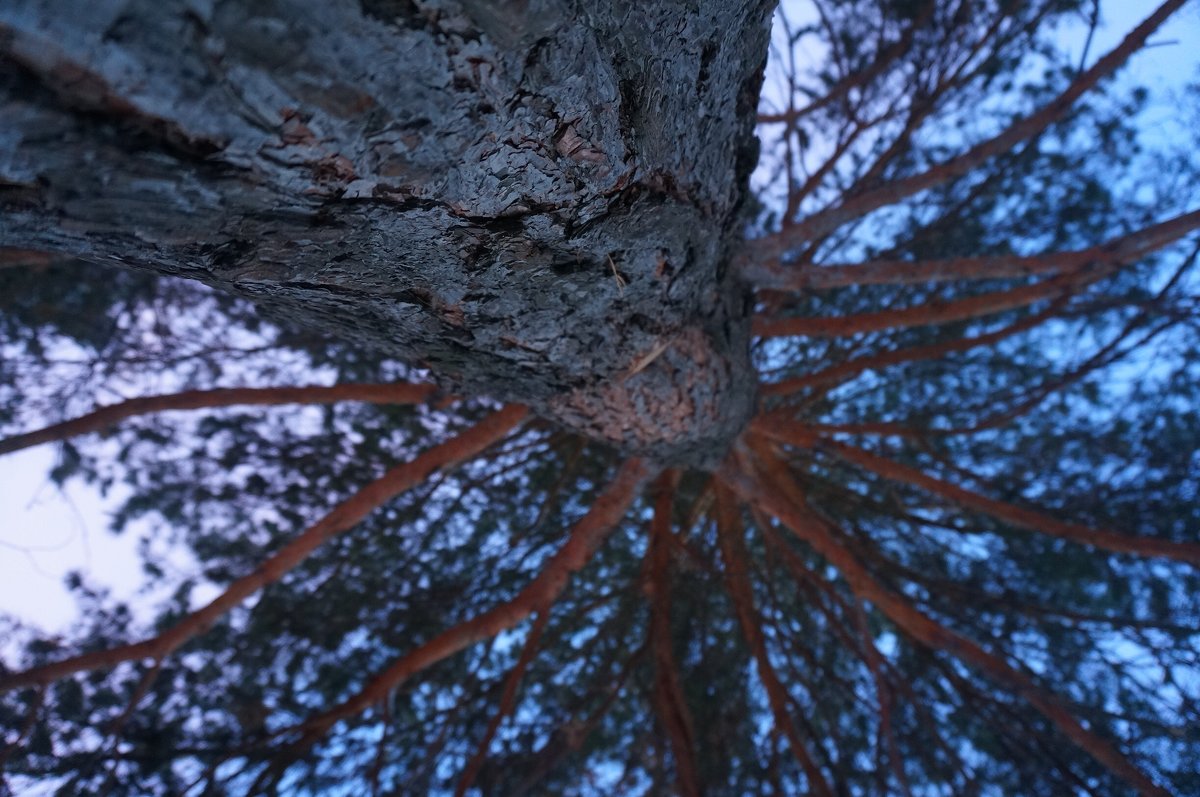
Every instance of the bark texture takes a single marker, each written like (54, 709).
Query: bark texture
(534, 199)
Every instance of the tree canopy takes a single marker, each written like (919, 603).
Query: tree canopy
(955, 551)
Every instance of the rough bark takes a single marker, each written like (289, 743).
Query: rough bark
(533, 198)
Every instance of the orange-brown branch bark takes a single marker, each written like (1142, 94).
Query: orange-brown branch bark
(835, 374)
(1088, 271)
(764, 481)
(1128, 248)
(342, 518)
(935, 312)
(585, 538)
(737, 581)
(29, 258)
(670, 702)
(100, 419)
(1017, 515)
(508, 700)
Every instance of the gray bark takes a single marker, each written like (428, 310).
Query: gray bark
(535, 199)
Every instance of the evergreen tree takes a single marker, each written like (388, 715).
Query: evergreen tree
(881, 480)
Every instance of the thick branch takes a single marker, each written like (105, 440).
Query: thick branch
(342, 518)
(737, 581)
(1017, 515)
(29, 258)
(537, 596)
(102, 418)
(670, 701)
(1128, 248)
(775, 491)
(930, 313)
(835, 374)
(1112, 257)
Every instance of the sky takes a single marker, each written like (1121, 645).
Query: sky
(46, 532)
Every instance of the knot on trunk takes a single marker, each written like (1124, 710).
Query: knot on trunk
(680, 402)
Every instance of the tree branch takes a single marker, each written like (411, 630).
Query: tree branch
(507, 702)
(883, 59)
(737, 581)
(835, 374)
(1091, 266)
(670, 701)
(829, 220)
(776, 492)
(940, 311)
(342, 518)
(100, 419)
(585, 538)
(1033, 520)
(775, 275)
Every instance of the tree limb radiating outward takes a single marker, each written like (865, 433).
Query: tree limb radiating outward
(345, 516)
(849, 368)
(506, 704)
(585, 539)
(1020, 516)
(669, 696)
(827, 221)
(929, 313)
(103, 417)
(1073, 272)
(776, 493)
(1128, 248)
(729, 533)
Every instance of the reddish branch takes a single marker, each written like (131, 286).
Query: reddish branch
(926, 102)
(922, 106)
(1126, 249)
(29, 258)
(883, 693)
(845, 370)
(537, 596)
(835, 608)
(765, 481)
(669, 699)
(343, 517)
(827, 221)
(803, 574)
(1081, 269)
(508, 700)
(1017, 515)
(102, 418)
(737, 580)
(926, 314)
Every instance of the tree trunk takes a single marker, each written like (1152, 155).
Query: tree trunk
(535, 199)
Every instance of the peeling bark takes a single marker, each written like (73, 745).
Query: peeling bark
(534, 199)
